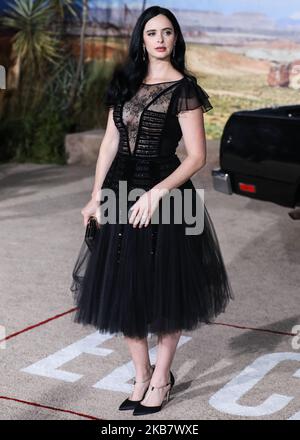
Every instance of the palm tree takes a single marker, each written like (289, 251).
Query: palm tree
(34, 44)
(63, 10)
(64, 6)
(37, 43)
(74, 88)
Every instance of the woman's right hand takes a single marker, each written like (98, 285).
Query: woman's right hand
(92, 208)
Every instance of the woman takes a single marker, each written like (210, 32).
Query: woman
(146, 277)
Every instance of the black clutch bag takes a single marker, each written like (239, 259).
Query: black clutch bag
(90, 232)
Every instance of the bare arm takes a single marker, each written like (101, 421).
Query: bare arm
(107, 153)
(193, 132)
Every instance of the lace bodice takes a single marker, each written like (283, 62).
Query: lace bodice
(148, 122)
(150, 131)
(133, 108)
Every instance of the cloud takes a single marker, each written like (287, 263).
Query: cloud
(295, 15)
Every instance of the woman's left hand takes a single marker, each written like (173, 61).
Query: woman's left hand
(143, 209)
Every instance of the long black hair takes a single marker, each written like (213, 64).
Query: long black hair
(128, 76)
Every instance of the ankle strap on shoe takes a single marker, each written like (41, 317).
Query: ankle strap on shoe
(141, 381)
(144, 381)
(153, 386)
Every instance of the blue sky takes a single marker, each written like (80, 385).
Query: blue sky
(273, 8)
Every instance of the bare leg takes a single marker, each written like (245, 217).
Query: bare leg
(166, 350)
(139, 352)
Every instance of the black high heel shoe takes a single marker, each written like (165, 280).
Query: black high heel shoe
(131, 404)
(141, 410)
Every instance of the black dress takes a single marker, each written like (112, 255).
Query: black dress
(156, 279)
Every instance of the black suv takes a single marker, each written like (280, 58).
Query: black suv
(260, 156)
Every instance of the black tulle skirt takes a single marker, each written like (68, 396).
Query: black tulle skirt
(152, 280)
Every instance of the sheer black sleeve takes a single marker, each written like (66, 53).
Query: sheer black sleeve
(188, 96)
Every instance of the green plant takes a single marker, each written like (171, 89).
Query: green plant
(33, 43)
(91, 111)
(48, 141)
(35, 117)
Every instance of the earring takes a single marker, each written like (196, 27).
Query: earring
(144, 53)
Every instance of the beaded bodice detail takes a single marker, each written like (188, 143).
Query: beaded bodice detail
(148, 123)
(151, 98)
(150, 131)
(141, 119)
